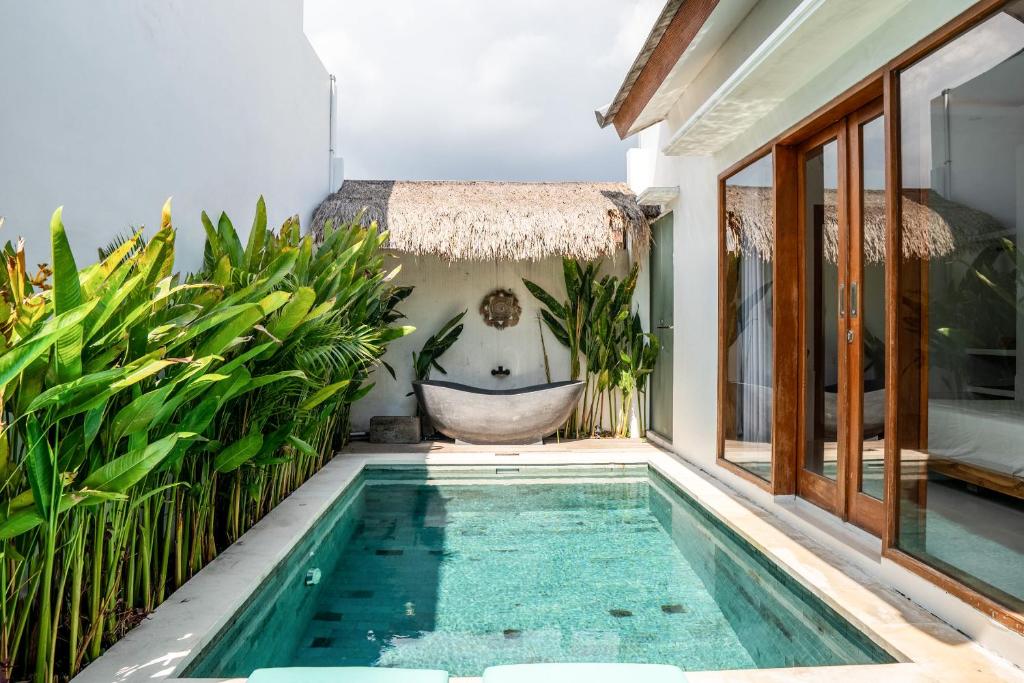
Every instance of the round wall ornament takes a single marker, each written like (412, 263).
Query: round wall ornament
(501, 309)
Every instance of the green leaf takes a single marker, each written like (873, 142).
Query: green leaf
(141, 373)
(322, 395)
(93, 422)
(239, 324)
(293, 313)
(141, 412)
(24, 354)
(19, 523)
(39, 466)
(263, 380)
(274, 301)
(211, 251)
(67, 392)
(238, 453)
(359, 393)
(542, 295)
(302, 446)
(67, 295)
(389, 334)
(120, 474)
(256, 236)
(67, 291)
(230, 242)
(556, 327)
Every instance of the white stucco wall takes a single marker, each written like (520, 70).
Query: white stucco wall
(441, 291)
(109, 107)
(695, 224)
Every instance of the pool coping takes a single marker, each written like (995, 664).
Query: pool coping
(928, 648)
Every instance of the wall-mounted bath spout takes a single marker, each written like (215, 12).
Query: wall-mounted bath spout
(500, 371)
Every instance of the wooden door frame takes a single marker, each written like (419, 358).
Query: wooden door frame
(861, 509)
(818, 489)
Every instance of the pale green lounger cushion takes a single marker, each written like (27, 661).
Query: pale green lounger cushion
(584, 673)
(347, 674)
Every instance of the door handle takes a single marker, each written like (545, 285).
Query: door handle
(842, 299)
(666, 327)
(853, 299)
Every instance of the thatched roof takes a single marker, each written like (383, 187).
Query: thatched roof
(932, 226)
(484, 221)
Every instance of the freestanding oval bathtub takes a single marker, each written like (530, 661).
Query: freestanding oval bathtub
(498, 416)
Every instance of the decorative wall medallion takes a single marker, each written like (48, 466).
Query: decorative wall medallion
(501, 309)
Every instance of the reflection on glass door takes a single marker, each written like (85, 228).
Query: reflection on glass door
(870, 221)
(868, 240)
(822, 250)
(961, 315)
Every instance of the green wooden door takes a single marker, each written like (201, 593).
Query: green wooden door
(661, 322)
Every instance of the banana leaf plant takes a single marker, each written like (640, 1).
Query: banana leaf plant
(435, 347)
(149, 419)
(595, 324)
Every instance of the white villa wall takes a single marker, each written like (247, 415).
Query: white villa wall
(441, 291)
(110, 107)
(695, 224)
(695, 210)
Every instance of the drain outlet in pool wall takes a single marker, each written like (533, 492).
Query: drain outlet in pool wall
(313, 577)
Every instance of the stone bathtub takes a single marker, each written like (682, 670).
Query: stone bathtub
(498, 416)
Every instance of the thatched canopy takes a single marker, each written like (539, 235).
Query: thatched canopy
(485, 221)
(933, 227)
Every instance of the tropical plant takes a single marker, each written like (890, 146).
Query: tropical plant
(638, 358)
(148, 420)
(435, 346)
(594, 322)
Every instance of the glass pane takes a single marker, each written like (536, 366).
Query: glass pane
(872, 306)
(962, 322)
(750, 251)
(821, 171)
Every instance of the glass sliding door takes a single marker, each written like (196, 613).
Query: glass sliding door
(841, 178)
(825, 257)
(747, 273)
(961, 309)
(874, 257)
(866, 356)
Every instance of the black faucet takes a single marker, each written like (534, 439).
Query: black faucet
(504, 372)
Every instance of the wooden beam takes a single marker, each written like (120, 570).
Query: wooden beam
(680, 33)
(786, 311)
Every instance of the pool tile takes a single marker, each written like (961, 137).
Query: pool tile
(327, 616)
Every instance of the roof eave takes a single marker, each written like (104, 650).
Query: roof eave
(688, 44)
(654, 38)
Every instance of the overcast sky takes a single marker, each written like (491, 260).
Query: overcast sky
(478, 89)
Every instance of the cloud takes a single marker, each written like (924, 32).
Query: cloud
(474, 89)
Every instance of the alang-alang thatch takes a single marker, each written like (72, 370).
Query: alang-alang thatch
(484, 221)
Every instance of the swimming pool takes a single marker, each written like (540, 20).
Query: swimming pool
(460, 569)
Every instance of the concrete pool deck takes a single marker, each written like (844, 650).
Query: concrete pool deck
(927, 648)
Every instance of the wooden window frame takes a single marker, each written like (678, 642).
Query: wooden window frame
(771, 485)
(787, 312)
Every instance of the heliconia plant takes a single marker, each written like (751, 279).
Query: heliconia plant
(149, 419)
(607, 346)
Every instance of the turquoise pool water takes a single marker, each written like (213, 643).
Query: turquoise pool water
(460, 571)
